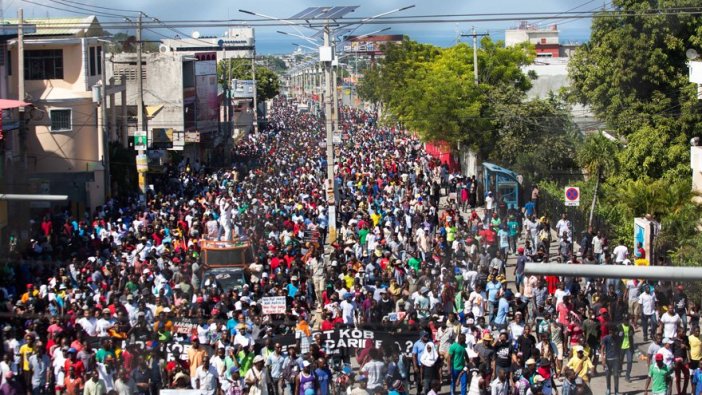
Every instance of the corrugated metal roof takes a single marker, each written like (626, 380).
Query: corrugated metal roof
(60, 26)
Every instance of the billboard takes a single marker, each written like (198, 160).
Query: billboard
(206, 89)
(239, 42)
(370, 45)
(243, 89)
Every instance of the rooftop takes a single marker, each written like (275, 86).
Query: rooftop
(82, 27)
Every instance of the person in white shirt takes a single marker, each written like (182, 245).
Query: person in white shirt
(348, 309)
(476, 302)
(670, 321)
(647, 300)
(563, 226)
(598, 247)
(620, 253)
(374, 370)
(88, 323)
(104, 323)
(206, 378)
(666, 352)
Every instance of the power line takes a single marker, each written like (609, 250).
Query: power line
(66, 25)
(103, 8)
(421, 19)
(107, 14)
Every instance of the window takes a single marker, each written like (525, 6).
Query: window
(92, 61)
(44, 64)
(98, 59)
(95, 61)
(61, 120)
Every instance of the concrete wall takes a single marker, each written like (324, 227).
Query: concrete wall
(75, 83)
(696, 165)
(56, 152)
(163, 84)
(71, 155)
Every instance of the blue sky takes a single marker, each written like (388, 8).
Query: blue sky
(268, 41)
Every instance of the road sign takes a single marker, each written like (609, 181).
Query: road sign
(572, 196)
(142, 163)
(140, 140)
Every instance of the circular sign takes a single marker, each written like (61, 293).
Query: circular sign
(572, 194)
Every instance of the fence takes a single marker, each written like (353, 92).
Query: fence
(554, 206)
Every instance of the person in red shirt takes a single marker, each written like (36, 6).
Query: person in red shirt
(46, 227)
(74, 363)
(552, 284)
(603, 319)
(328, 323)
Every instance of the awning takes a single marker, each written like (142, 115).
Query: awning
(152, 110)
(6, 104)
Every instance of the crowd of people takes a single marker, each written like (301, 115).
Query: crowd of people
(115, 302)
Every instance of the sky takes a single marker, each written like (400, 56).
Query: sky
(269, 42)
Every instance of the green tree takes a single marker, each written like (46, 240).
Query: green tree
(267, 82)
(535, 138)
(598, 155)
(432, 91)
(633, 75)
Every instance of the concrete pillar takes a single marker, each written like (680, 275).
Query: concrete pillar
(125, 129)
(113, 119)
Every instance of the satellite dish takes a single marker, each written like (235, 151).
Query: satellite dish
(195, 35)
(692, 54)
(163, 48)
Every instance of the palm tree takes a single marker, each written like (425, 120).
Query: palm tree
(598, 157)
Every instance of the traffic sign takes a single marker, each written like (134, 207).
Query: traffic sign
(140, 140)
(572, 196)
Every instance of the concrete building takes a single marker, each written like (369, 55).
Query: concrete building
(63, 143)
(546, 41)
(180, 99)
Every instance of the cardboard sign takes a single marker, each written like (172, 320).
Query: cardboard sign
(273, 305)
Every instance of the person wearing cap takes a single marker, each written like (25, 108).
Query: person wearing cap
(658, 375)
(305, 379)
(580, 364)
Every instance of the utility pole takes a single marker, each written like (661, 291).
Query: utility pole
(104, 141)
(20, 58)
(475, 51)
(140, 109)
(328, 96)
(255, 93)
(335, 94)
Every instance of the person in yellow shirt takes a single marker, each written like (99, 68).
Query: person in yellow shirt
(695, 348)
(26, 351)
(581, 364)
(31, 293)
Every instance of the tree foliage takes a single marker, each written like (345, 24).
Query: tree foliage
(598, 156)
(633, 74)
(432, 91)
(267, 82)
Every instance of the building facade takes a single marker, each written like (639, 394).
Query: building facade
(63, 144)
